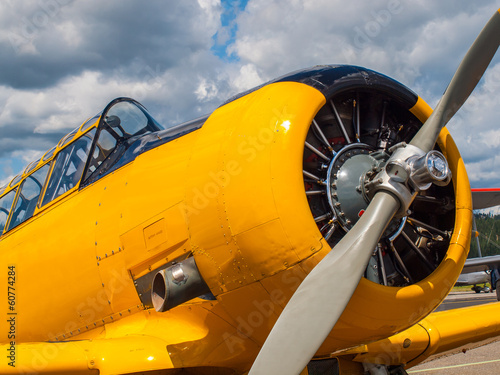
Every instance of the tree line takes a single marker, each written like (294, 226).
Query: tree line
(488, 227)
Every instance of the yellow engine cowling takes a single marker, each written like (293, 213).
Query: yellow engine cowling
(253, 233)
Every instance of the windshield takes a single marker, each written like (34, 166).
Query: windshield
(128, 119)
(123, 121)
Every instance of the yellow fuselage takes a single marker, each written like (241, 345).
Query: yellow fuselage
(232, 194)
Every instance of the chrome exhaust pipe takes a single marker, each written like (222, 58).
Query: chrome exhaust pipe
(177, 284)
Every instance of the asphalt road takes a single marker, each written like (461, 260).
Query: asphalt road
(456, 300)
(484, 360)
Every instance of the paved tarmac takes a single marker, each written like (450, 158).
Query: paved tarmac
(456, 300)
(483, 360)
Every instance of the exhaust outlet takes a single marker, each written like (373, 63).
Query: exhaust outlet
(177, 284)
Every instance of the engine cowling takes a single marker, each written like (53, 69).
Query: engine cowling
(281, 173)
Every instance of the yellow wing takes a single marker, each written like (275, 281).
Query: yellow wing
(439, 333)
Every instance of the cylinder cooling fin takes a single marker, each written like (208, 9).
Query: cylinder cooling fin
(348, 143)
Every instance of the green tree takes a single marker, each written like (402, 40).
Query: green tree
(488, 227)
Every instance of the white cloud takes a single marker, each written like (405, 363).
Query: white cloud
(475, 130)
(206, 90)
(403, 39)
(247, 77)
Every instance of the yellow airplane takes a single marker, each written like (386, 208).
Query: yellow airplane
(306, 225)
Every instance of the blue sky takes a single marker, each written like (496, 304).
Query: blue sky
(64, 60)
(226, 35)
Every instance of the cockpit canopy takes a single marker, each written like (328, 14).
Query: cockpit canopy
(123, 122)
(86, 154)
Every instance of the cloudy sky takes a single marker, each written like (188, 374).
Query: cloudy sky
(62, 61)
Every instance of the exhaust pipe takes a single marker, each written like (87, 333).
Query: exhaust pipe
(177, 284)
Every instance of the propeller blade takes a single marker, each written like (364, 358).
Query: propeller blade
(319, 301)
(462, 84)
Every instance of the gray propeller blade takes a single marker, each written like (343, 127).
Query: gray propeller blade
(462, 84)
(319, 301)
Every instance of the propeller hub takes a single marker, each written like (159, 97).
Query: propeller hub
(430, 168)
(410, 170)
